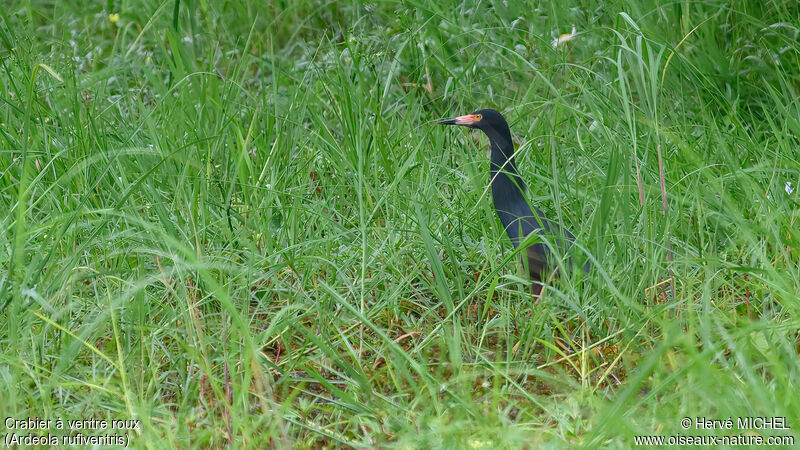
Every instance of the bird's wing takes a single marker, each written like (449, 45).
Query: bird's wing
(537, 221)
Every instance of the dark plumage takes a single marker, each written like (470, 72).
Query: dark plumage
(508, 194)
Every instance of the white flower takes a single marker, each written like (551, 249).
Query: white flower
(564, 38)
(789, 188)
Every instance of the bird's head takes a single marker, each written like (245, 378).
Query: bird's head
(492, 124)
(485, 120)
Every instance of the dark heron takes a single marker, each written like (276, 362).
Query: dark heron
(508, 194)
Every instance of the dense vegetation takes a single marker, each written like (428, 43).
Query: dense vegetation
(238, 221)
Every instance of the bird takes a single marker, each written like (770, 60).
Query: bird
(508, 195)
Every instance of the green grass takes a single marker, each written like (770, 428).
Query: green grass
(240, 222)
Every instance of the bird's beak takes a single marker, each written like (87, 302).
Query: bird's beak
(466, 121)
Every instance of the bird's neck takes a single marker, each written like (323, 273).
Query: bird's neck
(506, 182)
(508, 189)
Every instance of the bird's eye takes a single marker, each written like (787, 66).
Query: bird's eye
(478, 116)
